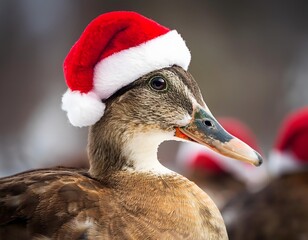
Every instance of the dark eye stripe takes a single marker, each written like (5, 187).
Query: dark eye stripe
(124, 89)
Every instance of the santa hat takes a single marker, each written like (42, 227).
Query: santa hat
(201, 158)
(290, 152)
(115, 49)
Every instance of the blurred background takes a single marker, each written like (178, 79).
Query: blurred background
(250, 59)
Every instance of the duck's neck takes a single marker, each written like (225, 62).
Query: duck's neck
(125, 150)
(128, 162)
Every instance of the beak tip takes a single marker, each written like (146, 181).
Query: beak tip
(259, 161)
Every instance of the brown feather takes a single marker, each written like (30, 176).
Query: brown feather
(279, 211)
(69, 204)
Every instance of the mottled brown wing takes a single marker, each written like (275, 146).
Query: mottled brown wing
(279, 211)
(68, 204)
(44, 203)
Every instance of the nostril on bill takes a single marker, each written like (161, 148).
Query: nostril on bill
(208, 123)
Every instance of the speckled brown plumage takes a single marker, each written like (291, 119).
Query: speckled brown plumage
(68, 204)
(279, 211)
(220, 187)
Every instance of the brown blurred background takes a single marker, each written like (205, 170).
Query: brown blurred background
(250, 59)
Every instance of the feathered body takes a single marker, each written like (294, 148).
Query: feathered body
(279, 211)
(69, 204)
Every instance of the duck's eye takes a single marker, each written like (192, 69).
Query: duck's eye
(158, 83)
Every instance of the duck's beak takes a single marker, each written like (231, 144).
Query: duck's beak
(205, 129)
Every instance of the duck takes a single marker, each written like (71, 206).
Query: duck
(216, 174)
(128, 83)
(279, 210)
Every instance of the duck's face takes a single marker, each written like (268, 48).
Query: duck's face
(161, 100)
(167, 104)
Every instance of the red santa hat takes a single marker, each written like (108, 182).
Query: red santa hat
(115, 49)
(290, 152)
(201, 158)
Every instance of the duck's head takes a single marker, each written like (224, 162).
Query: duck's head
(135, 97)
(163, 105)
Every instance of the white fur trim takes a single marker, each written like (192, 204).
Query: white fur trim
(283, 162)
(122, 68)
(83, 109)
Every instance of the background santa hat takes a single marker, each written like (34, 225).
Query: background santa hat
(193, 156)
(115, 49)
(290, 152)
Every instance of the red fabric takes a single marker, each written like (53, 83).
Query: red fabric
(300, 146)
(205, 161)
(293, 134)
(105, 35)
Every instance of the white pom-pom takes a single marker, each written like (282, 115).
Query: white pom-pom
(83, 109)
